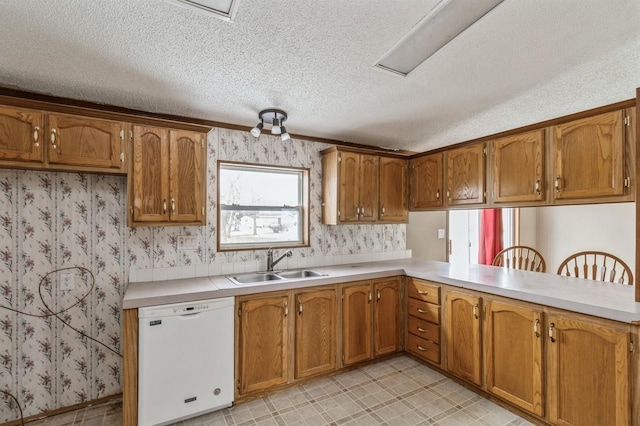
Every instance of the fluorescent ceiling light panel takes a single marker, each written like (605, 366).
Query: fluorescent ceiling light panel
(223, 9)
(441, 25)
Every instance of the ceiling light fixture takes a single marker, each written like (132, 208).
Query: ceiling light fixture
(275, 117)
(441, 25)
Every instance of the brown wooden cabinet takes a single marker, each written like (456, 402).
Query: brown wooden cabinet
(349, 186)
(423, 319)
(81, 141)
(21, 133)
(426, 182)
(386, 316)
(168, 177)
(518, 168)
(262, 346)
(357, 330)
(393, 189)
(513, 354)
(370, 319)
(463, 328)
(465, 175)
(587, 371)
(61, 141)
(589, 157)
(315, 337)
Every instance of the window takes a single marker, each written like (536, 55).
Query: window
(262, 206)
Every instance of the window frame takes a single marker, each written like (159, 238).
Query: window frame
(303, 210)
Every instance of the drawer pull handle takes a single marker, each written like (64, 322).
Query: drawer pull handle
(422, 330)
(422, 292)
(422, 311)
(36, 136)
(421, 348)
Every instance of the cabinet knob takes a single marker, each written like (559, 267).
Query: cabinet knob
(536, 327)
(173, 205)
(552, 333)
(437, 194)
(164, 205)
(475, 311)
(36, 136)
(558, 188)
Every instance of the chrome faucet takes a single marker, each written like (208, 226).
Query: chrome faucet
(271, 263)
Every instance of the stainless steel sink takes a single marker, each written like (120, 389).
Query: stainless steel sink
(258, 277)
(303, 273)
(254, 278)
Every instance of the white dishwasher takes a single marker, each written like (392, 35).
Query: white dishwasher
(185, 360)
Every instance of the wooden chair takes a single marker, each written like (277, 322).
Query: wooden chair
(520, 257)
(603, 267)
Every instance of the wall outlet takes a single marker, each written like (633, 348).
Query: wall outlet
(187, 242)
(440, 234)
(67, 282)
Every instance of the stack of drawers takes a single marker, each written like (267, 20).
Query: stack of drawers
(423, 324)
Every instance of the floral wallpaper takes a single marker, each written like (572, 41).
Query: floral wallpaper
(51, 221)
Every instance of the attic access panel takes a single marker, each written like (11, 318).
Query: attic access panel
(222, 9)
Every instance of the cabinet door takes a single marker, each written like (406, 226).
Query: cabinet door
(315, 332)
(82, 141)
(514, 354)
(465, 175)
(386, 314)
(187, 176)
(368, 184)
(518, 168)
(263, 343)
(356, 323)
(349, 182)
(463, 331)
(393, 189)
(426, 182)
(21, 134)
(588, 380)
(150, 174)
(589, 157)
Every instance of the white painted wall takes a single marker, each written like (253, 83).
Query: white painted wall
(422, 235)
(564, 230)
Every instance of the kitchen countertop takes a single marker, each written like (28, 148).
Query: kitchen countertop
(605, 300)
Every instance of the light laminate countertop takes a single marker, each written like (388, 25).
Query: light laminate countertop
(604, 300)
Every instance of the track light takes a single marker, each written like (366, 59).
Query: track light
(275, 117)
(255, 132)
(285, 135)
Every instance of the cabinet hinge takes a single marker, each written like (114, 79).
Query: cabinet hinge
(201, 142)
(203, 211)
(343, 357)
(238, 384)
(239, 312)
(131, 211)
(338, 213)
(631, 347)
(627, 120)
(339, 159)
(627, 182)
(484, 151)
(131, 135)
(122, 157)
(121, 135)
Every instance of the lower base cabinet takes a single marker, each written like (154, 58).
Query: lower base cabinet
(463, 330)
(588, 371)
(513, 354)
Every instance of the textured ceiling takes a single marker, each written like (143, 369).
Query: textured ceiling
(524, 62)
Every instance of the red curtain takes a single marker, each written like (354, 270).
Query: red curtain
(490, 235)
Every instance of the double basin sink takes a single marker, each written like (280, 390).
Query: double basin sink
(258, 277)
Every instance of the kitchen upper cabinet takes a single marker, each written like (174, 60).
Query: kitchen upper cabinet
(466, 175)
(386, 316)
(82, 141)
(589, 157)
(262, 355)
(588, 371)
(356, 322)
(21, 135)
(315, 338)
(168, 177)
(518, 168)
(463, 328)
(393, 189)
(513, 354)
(426, 182)
(350, 187)
(36, 139)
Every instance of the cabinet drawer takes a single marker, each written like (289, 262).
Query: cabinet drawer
(424, 311)
(421, 290)
(424, 329)
(423, 348)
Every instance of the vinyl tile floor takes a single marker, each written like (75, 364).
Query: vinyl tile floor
(398, 391)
